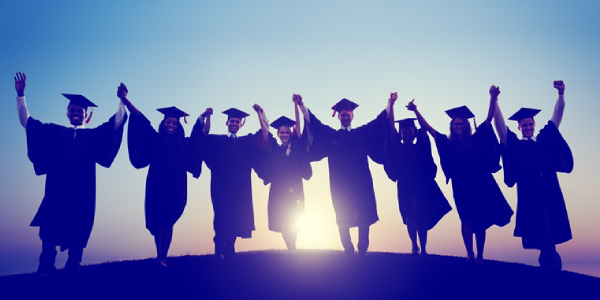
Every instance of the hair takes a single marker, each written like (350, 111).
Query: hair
(468, 130)
(179, 132)
(288, 128)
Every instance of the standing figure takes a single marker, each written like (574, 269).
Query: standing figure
(469, 160)
(170, 156)
(351, 184)
(231, 159)
(422, 204)
(68, 157)
(285, 166)
(532, 163)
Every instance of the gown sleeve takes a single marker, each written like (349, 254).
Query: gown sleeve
(442, 144)
(194, 149)
(424, 150)
(321, 136)
(488, 147)
(299, 145)
(391, 163)
(509, 159)
(107, 140)
(559, 156)
(40, 148)
(375, 134)
(261, 153)
(141, 141)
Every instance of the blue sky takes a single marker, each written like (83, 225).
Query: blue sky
(222, 54)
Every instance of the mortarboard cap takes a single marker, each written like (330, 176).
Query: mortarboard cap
(282, 121)
(235, 113)
(408, 122)
(79, 100)
(524, 113)
(173, 112)
(344, 104)
(460, 112)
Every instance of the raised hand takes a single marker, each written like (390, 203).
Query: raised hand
(257, 108)
(411, 105)
(494, 91)
(560, 86)
(122, 91)
(393, 97)
(20, 82)
(297, 99)
(207, 112)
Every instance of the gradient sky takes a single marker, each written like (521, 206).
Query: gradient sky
(222, 54)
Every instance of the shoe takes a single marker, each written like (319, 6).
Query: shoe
(424, 254)
(46, 270)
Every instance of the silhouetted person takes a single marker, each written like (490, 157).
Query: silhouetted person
(285, 167)
(469, 160)
(422, 204)
(231, 159)
(170, 156)
(532, 163)
(68, 157)
(347, 151)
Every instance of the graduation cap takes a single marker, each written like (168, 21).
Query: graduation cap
(282, 121)
(408, 122)
(460, 112)
(343, 104)
(173, 112)
(524, 113)
(81, 101)
(236, 113)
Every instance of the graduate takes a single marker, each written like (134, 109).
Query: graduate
(285, 166)
(231, 159)
(68, 157)
(410, 164)
(350, 179)
(532, 162)
(469, 160)
(170, 156)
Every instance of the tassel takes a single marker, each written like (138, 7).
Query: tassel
(184, 119)
(334, 111)
(475, 123)
(90, 117)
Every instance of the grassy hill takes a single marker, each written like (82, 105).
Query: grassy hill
(304, 275)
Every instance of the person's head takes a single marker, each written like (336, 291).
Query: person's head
(460, 126)
(235, 119)
(526, 122)
(77, 108)
(345, 108)
(408, 130)
(170, 123)
(284, 129)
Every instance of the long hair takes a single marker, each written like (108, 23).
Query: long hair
(467, 132)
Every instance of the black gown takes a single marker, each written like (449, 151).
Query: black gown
(470, 164)
(170, 157)
(68, 158)
(541, 209)
(412, 168)
(350, 179)
(285, 174)
(231, 163)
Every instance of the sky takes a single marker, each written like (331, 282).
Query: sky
(222, 54)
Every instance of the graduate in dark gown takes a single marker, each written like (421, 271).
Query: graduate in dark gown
(410, 164)
(68, 157)
(285, 167)
(231, 159)
(469, 160)
(347, 151)
(532, 163)
(170, 156)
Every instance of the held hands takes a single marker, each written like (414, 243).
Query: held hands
(257, 108)
(494, 91)
(207, 112)
(411, 105)
(393, 98)
(20, 82)
(122, 91)
(297, 99)
(560, 86)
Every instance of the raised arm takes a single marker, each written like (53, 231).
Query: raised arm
(298, 100)
(20, 82)
(205, 117)
(390, 113)
(494, 92)
(297, 125)
(559, 107)
(122, 94)
(413, 107)
(263, 120)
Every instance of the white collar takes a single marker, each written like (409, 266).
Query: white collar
(77, 127)
(346, 128)
(531, 138)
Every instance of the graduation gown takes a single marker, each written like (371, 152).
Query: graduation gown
(541, 209)
(170, 157)
(68, 158)
(231, 162)
(350, 179)
(412, 168)
(285, 174)
(470, 163)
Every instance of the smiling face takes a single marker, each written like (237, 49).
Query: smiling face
(346, 117)
(459, 126)
(233, 124)
(284, 134)
(527, 127)
(407, 134)
(76, 114)
(171, 124)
